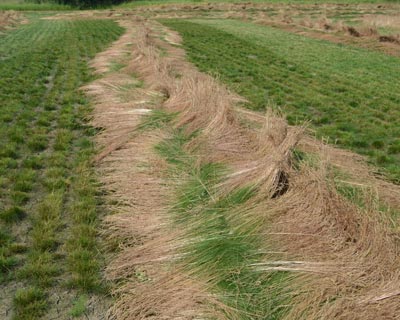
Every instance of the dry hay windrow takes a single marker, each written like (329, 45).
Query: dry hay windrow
(10, 18)
(137, 195)
(343, 257)
(354, 242)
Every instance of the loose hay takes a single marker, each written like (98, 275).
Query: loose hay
(343, 258)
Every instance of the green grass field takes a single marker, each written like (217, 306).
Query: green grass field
(48, 206)
(350, 95)
(22, 5)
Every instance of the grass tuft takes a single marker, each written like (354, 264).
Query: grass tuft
(13, 214)
(157, 119)
(79, 306)
(40, 269)
(29, 303)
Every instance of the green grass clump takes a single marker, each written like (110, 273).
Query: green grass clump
(5, 237)
(349, 94)
(85, 268)
(38, 143)
(7, 262)
(62, 140)
(9, 151)
(40, 269)
(172, 150)
(157, 119)
(225, 249)
(19, 197)
(79, 306)
(29, 303)
(83, 252)
(13, 214)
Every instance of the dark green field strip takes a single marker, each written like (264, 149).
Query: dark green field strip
(48, 208)
(350, 95)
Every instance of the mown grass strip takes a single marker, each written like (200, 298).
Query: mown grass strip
(45, 145)
(350, 95)
(219, 248)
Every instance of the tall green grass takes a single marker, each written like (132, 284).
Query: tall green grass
(350, 95)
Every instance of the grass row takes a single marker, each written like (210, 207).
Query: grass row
(221, 247)
(48, 204)
(350, 95)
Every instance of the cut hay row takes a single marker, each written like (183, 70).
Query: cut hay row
(355, 241)
(306, 248)
(9, 19)
(368, 29)
(133, 176)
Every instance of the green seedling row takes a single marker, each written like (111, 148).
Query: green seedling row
(48, 206)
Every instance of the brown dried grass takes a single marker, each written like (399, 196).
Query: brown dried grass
(379, 20)
(339, 252)
(163, 300)
(202, 102)
(10, 18)
(347, 243)
(270, 165)
(344, 258)
(138, 192)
